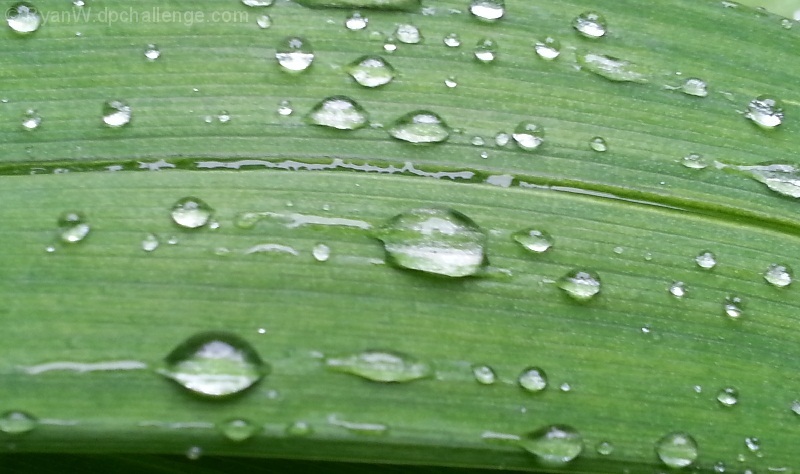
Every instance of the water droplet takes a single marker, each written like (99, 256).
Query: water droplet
(733, 307)
(238, 430)
(381, 366)
(421, 126)
(678, 289)
(191, 213)
(215, 364)
(528, 136)
(548, 48)
(150, 243)
(23, 18)
(535, 240)
(264, 21)
(371, 71)
(553, 445)
(728, 396)
(706, 260)
(765, 111)
(73, 227)
(590, 24)
(299, 428)
(796, 407)
(438, 241)
(285, 108)
(487, 10)
(502, 139)
(694, 161)
(695, 87)
(79, 3)
(321, 252)
(580, 285)
(194, 453)
(533, 379)
(257, 3)
(451, 82)
(224, 117)
(611, 68)
(677, 450)
(452, 40)
(17, 422)
(294, 54)
(786, 23)
(152, 52)
(778, 275)
(604, 448)
(484, 374)
(408, 34)
(31, 120)
(339, 112)
(477, 141)
(356, 22)
(598, 144)
(719, 467)
(486, 50)
(753, 444)
(116, 113)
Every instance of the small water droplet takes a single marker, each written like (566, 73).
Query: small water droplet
(17, 422)
(728, 396)
(484, 374)
(598, 144)
(451, 82)
(733, 307)
(321, 252)
(786, 23)
(537, 241)
(677, 450)
(73, 227)
(533, 379)
(381, 366)
(191, 213)
(31, 120)
(408, 34)
(565, 387)
(78, 3)
(285, 108)
(215, 364)
(356, 22)
(753, 444)
(604, 448)
(152, 52)
(719, 467)
(502, 139)
(580, 285)
(299, 428)
(116, 113)
(264, 21)
(548, 48)
(432, 240)
(452, 40)
(706, 260)
(678, 289)
(553, 445)
(150, 243)
(486, 50)
(194, 453)
(339, 112)
(487, 10)
(371, 71)
(477, 141)
(611, 68)
(421, 126)
(257, 3)
(224, 117)
(694, 87)
(695, 161)
(528, 136)
(779, 276)
(590, 24)
(294, 54)
(238, 430)
(765, 111)
(796, 407)
(23, 18)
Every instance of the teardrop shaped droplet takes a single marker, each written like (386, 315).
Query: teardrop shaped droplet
(17, 422)
(432, 240)
(486, 50)
(765, 111)
(484, 374)
(779, 276)
(116, 113)
(371, 71)
(677, 450)
(590, 24)
(548, 48)
(706, 260)
(23, 18)
(215, 364)
(611, 68)
(408, 34)
(381, 366)
(580, 285)
(191, 213)
(237, 430)
(533, 379)
(534, 240)
(487, 10)
(554, 445)
(339, 112)
(528, 135)
(294, 54)
(73, 227)
(728, 396)
(420, 127)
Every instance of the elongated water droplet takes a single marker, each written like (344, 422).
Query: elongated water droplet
(554, 445)
(238, 430)
(728, 396)
(778, 275)
(31, 120)
(753, 444)
(321, 252)
(548, 48)
(528, 136)
(150, 243)
(590, 24)
(484, 374)
(17, 422)
(73, 227)
(611, 68)
(765, 111)
(535, 240)
(533, 379)
(191, 213)
(257, 3)
(695, 161)
(371, 71)
(678, 289)
(580, 285)
(487, 10)
(23, 18)
(598, 144)
(402, 5)
(432, 240)
(339, 112)
(677, 450)
(695, 87)
(486, 50)
(356, 22)
(116, 113)
(420, 127)
(215, 364)
(152, 52)
(452, 40)
(381, 366)
(408, 34)
(706, 260)
(733, 307)
(294, 54)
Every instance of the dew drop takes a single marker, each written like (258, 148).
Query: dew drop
(580, 285)
(191, 213)
(484, 374)
(535, 240)
(719, 467)
(299, 428)
(678, 289)
(294, 54)
(590, 24)
(264, 21)
(452, 40)
(604, 448)
(31, 120)
(548, 48)
(381, 366)
(433, 240)
(371, 71)
(502, 139)
(779, 276)
(390, 45)
(733, 307)
(532, 379)
(706, 260)
(356, 22)
(23, 18)
(694, 161)
(321, 252)
(408, 34)
(528, 136)
(257, 3)
(421, 126)
(194, 453)
(796, 407)
(73, 227)
(553, 445)
(150, 243)
(487, 10)
(116, 113)
(17, 422)
(677, 450)
(728, 396)
(451, 82)
(224, 117)
(285, 108)
(611, 68)
(765, 111)
(486, 50)
(152, 52)
(695, 87)
(753, 444)
(237, 430)
(477, 141)
(339, 112)
(598, 144)
(214, 364)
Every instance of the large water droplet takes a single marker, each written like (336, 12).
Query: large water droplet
(116, 113)
(590, 24)
(408, 34)
(191, 213)
(215, 364)
(528, 135)
(553, 445)
(294, 54)
(31, 120)
(535, 240)
(484, 374)
(694, 161)
(381, 366)
(580, 285)
(778, 275)
(371, 71)
(765, 111)
(238, 430)
(486, 50)
(488, 10)
(533, 379)
(611, 68)
(439, 241)
(339, 112)
(728, 396)
(706, 260)
(23, 18)
(677, 450)
(420, 127)
(73, 227)
(548, 48)
(17, 422)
